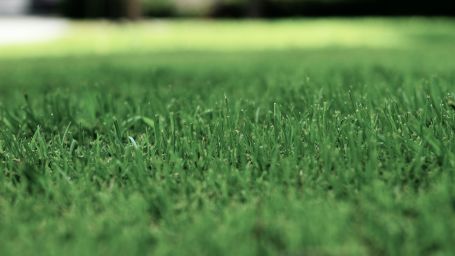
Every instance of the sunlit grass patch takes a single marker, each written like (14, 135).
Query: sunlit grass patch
(102, 37)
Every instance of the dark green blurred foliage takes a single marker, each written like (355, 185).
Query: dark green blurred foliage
(254, 8)
(93, 8)
(158, 8)
(284, 8)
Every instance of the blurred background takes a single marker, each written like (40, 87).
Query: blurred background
(135, 9)
(71, 27)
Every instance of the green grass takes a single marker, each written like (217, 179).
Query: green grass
(103, 38)
(306, 149)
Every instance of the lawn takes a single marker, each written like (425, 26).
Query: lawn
(292, 137)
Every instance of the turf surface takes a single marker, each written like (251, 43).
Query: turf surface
(317, 149)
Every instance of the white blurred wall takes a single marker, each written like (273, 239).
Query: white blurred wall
(14, 7)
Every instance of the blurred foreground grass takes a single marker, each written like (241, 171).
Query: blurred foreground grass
(336, 141)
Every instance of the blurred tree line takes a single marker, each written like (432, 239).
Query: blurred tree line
(134, 9)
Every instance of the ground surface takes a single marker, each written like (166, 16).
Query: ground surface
(303, 144)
